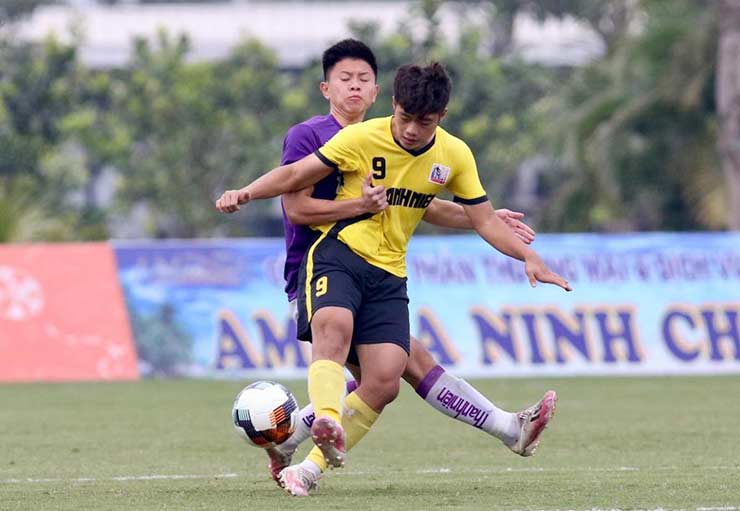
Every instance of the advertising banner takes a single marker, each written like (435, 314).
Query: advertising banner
(641, 304)
(62, 315)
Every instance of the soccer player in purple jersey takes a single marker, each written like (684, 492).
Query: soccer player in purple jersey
(350, 87)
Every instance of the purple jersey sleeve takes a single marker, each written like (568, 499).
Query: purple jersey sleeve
(300, 141)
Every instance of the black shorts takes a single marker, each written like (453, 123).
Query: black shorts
(340, 278)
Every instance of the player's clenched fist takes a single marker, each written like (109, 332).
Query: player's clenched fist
(374, 198)
(230, 200)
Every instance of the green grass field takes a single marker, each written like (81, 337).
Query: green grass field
(671, 443)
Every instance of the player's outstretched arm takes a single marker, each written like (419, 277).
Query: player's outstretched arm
(287, 178)
(444, 213)
(492, 229)
(302, 209)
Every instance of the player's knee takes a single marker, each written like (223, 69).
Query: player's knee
(386, 390)
(392, 390)
(333, 319)
(331, 332)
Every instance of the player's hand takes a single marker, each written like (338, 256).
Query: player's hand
(230, 200)
(514, 220)
(374, 198)
(537, 271)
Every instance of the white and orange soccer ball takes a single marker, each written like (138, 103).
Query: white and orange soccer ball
(265, 414)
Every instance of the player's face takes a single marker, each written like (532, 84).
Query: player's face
(350, 87)
(414, 131)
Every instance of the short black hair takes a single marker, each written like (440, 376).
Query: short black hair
(422, 90)
(348, 49)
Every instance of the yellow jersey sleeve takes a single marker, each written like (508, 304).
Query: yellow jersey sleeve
(341, 151)
(464, 181)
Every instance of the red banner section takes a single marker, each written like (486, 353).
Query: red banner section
(62, 314)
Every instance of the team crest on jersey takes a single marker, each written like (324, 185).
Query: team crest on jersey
(439, 174)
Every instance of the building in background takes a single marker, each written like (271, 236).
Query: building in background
(296, 31)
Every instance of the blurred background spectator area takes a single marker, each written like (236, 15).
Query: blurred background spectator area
(123, 119)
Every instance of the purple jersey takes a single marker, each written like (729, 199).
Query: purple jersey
(302, 140)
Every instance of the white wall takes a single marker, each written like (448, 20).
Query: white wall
(297, 31)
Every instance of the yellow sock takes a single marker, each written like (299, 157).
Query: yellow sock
(326, 387)
(357, 420)
(317, 457)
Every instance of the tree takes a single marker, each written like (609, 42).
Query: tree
(728, 103)
(610, 19)
(641, 126)
(36, 93)
(198, 128)
(22, 218)
(629, 141)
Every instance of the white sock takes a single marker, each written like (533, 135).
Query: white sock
(311, 467)
(458, 399)
(302, 429)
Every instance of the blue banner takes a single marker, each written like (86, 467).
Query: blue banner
(641, 304)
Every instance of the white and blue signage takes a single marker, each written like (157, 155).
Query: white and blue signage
(641, 304)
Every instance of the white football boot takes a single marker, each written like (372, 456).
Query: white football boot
(533, 421)
(299, 480)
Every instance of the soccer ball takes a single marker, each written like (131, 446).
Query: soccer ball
(265, 414)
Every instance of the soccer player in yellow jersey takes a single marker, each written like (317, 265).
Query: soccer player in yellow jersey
(354, 286)
(350, 87)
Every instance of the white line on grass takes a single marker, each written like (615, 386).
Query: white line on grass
(504, 470)
(153, 477)
(356, 473)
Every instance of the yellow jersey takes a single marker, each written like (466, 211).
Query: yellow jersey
(411, 178)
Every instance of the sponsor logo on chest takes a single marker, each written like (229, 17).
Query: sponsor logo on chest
(439, 174)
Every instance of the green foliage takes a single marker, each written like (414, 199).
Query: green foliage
(38, 91)
(640, 130)
(35, 93)
(625, 142)
(23, 218)
(197, 128)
